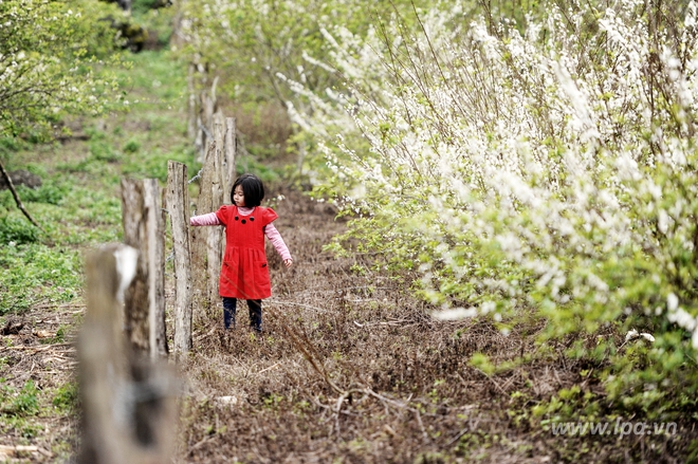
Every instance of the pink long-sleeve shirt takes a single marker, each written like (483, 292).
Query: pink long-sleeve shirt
(270, 231)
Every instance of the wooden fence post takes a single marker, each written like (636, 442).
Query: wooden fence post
(136, 298)
(199, 235)
(208, 242)
(145, 299)
(229, 155)
(178, 207)
(152, 195)
(214, 184)
(128, 404)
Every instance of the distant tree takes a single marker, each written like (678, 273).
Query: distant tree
(52, 57)
(123, 4)
(52, 63)
(140, 5)
(253, 50)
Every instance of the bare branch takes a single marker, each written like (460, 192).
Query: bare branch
(18, 201)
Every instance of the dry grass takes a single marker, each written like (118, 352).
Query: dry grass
(352, 369)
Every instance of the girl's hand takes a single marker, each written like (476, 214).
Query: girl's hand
(288, 262)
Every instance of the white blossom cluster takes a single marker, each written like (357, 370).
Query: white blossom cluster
(553, 168)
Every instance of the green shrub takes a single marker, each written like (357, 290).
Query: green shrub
(66, 397)
(103, 151)
(21, 403)
(49, 193)
(154, 164)
(17, 230)
(132, 146)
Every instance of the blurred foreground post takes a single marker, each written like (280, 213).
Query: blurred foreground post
(178, 206)
(129, 409)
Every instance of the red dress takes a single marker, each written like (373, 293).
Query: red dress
(245, 273)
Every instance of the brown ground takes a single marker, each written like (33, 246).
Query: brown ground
(351, 369)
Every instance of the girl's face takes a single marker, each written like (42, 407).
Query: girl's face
(239, 196)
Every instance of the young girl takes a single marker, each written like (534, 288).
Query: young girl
(245, 273)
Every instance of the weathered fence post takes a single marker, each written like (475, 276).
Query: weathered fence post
(136, 298)
(209, 102)
(128, 407)
(215, 183)
(144, 315)
(230, 152)
(152, 195)
(199, 235)
(178, 207)
(209, 241)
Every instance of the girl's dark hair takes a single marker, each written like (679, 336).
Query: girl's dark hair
(252, 187)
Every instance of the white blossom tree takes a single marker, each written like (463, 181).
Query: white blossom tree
(550, 171)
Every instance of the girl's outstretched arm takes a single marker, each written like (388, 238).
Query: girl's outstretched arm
(209, 219)
(275, 238)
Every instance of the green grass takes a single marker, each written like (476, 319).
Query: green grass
(79, 207)
(35, 273)
(65, 398)
(18, 407)
(79, 204)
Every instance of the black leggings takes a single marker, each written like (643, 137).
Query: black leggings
(230, 307)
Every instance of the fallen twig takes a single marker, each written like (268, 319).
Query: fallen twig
(36, 349)
(13, 451)
(202, 442)
(421, 424)
(18, 201)
(82, 306)
(293, 303)
(301, 342)
(501, 390)
(268, 368)
(393, 322)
